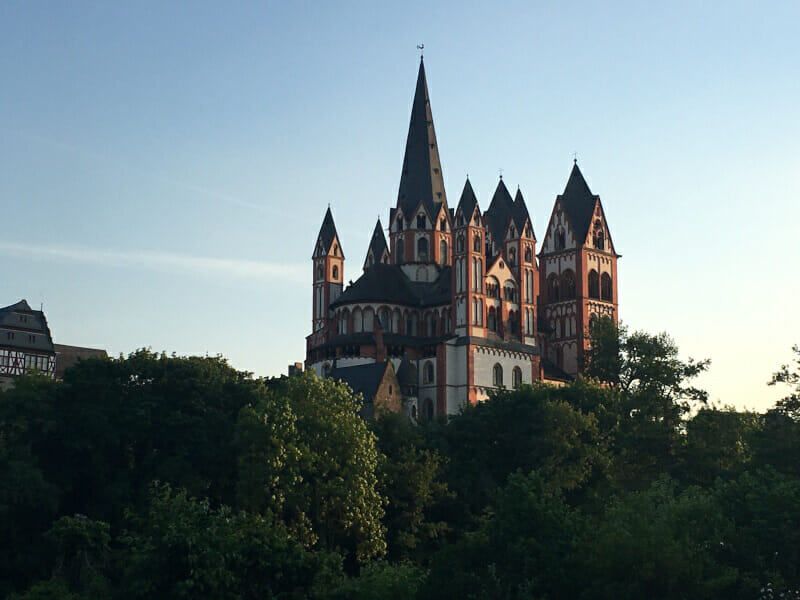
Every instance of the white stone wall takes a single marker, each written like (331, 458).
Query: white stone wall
(486, 358)
(456, 391)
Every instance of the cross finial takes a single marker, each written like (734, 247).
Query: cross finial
(575, 158)
(420, 47)
(501, 173)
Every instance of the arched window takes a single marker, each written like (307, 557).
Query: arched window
(443, 252)
(358, 321)
(400, 223)
(326, 370)
(427, 407)
(512, 257)
(443, 225)
(345, 318)
(594, 284)
(420, 221)
(368, 319)
(401, 252)
(516, 377)
(492, 287)
(605, 287)
(491, 319)
(422, 249)
(476, 243)
(510, 291)
(528, 255)
(384, 319)
(568, 284)
(599, 235)
(460, 243)
(320, 272)
(552, 288)
(427, 372)
(560, 239)
(335, 273)
(474, 311)
(497, 375)
(396, 321)
(512, 323)
(336, 249)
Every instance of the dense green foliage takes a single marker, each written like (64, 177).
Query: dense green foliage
(166, 477)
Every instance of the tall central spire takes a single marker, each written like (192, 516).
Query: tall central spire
(421, 179)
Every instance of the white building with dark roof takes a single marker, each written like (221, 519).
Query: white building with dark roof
(25, 343)
(458, 298)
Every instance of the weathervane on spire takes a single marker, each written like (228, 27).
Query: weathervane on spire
(420, 47)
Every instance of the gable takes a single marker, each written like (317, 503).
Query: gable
(559, 225)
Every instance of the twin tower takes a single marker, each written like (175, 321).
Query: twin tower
(458, 302)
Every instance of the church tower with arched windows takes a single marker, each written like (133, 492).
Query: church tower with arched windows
(328, 260)
(456, 305)
(420, 227)
(578, 273)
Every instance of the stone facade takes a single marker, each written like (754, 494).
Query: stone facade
(458, 301)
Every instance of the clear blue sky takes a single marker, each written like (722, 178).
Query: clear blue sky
(164, 167)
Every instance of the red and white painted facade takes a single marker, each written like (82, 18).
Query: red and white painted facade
(458, 300)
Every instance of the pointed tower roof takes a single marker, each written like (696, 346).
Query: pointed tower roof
(578, 202)
(421, 179)
(327, 233)
(468, 201)
(520, 213)
(500, 212)
(377, 246)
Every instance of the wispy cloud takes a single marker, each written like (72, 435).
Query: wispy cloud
(157, 261)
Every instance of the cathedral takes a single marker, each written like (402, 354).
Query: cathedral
(458, 302)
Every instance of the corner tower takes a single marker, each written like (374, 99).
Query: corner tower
(328, 273)
(420, 228)
(577, 273)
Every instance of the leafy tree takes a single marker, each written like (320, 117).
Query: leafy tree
(658, 544)
(306, 457)
(526, 429)
(765, 542)
(777, 444)
(717, 442)
(182, 548)
(412, 480)
(28, 501)
(526, 546)
(123, 423)
(790, 405)
(655, 397)
(381, 581)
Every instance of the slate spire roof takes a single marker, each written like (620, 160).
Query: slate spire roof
(377, 245)
(500, 212)
(578, 202)
(421, 179)
(468, 201)
(520, 213)
(327, 233)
